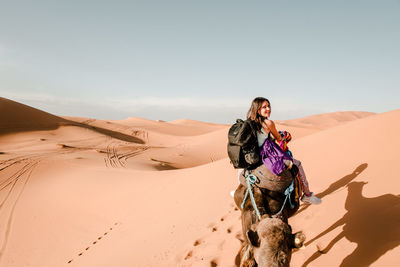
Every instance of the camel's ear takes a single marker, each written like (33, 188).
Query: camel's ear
(253, 238)
(298, 239)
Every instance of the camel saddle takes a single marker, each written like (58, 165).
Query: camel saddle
(267, 180)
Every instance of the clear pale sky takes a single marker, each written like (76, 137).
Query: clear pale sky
(202, 60)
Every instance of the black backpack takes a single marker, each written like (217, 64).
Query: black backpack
(242, 145)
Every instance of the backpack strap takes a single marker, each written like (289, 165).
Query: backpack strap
(253, 127)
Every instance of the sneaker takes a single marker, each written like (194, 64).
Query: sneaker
(312, 199)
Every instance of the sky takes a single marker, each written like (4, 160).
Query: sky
(202, 60)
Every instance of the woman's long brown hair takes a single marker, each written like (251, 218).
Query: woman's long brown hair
(253, 115)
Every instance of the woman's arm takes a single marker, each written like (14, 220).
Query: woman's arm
(270, 126)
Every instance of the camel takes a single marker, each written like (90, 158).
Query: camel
(270, 241)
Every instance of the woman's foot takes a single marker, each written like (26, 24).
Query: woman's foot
(311, 199)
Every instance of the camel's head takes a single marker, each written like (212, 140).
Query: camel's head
(273, 241)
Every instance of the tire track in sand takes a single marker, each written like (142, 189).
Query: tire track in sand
(13, 187)
(7, 206)
(115, 159)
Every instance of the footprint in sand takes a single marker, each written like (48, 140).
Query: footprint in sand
(213, 263)
(94, 242)
(189, 255)
(197, 242)
(213, 227)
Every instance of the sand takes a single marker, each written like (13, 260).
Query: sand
(135, 192)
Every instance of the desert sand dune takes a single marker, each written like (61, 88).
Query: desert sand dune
(15, 117)
(326, 120)
(190, 151)
(141, 193)
(176, 128)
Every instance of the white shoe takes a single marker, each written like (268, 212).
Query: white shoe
(311, 199)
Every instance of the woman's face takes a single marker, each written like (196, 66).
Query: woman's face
(265, 109)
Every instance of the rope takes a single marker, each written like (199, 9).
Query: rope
(251, 180)
(288, 192)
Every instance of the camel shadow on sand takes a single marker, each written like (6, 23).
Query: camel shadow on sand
(372, 223)
(341, 183)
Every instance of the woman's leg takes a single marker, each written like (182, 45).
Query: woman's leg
(308, 196)
(303, 178)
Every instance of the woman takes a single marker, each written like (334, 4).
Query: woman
(259, 113)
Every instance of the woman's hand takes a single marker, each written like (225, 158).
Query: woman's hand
(285, 135)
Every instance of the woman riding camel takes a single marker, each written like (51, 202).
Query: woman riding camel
(259, 113)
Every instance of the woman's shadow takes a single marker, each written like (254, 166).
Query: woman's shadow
(372, 223)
